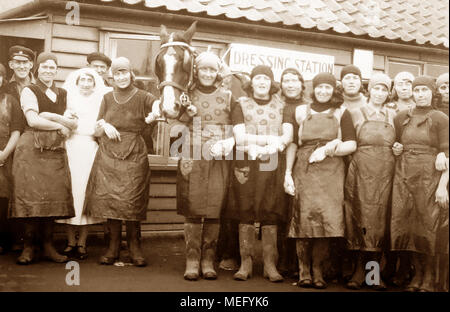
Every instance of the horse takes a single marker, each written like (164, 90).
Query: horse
(174, 67)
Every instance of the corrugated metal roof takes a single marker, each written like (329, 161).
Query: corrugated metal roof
(425, 22)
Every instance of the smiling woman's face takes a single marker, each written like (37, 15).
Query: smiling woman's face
(86, 84)
(261, 86)
(291, 85)
(323, 92)
(122, 78)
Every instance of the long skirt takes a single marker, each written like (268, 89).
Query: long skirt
(81, 150)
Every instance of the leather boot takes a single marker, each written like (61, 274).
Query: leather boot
(193, 239)
(209, 244)
(428, 274)
(27, 255)
(417, 279)
(303, 247)
(270, 253)
(246, 244)
(319, 253)
(50, 252)
(358, 276)
(113, 252)
(134, 243)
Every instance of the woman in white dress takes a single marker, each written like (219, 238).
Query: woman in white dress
(85, 90)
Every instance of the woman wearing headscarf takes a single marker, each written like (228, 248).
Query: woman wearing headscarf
(293, 94)
(419, 195)
(402, 97)
(11, 125)
(368, 183)
(257, 180)
(325, 135)
(442, 87)
(119, 182)
(85, 89)
(203, 172)
(41, 177)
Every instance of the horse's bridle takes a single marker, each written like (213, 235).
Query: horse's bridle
(184, 98)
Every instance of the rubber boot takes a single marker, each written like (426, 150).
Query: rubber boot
(27, 255)
(193, 239)
(134, 243)
(303, 247)
(417, 279)
(113, 252)
(50, 252)
(319, 253)
(404, 269)
(428, 274)
(246, 244)
(358, 276)
(209, 245)
(270, 253)
(230, 245)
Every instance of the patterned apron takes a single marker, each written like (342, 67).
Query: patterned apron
(202, 184)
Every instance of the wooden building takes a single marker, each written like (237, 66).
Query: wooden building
(377, 35)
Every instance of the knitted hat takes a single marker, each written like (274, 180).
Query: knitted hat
(208, 59)
(424, 81)
(442, 79)
(380, 78)
(324, 78)
(120, 63)
(350, 69)
(2, 71)
(293, 71)
(403, 76)
(262, 70)
(45, 56)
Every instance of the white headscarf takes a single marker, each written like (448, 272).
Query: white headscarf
(85, 107)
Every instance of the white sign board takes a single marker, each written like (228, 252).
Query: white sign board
(244, 57)
(364, 60)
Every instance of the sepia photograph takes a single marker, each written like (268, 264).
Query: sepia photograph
(222, 154)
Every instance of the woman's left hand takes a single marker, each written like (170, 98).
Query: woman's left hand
(442, 197)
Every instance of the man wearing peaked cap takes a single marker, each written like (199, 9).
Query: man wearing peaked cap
(100, 63)
(21, 60)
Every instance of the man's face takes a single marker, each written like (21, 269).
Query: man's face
(47, 71)
(21, 67)
(100, 67)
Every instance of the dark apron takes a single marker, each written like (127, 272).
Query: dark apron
(368, 185)
(415, 214)
(5, 134)
(118, 185)
(41, 177)
(317, 208)
(258, 194)
(202, 184)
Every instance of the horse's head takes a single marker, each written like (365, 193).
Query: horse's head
(174, 69)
